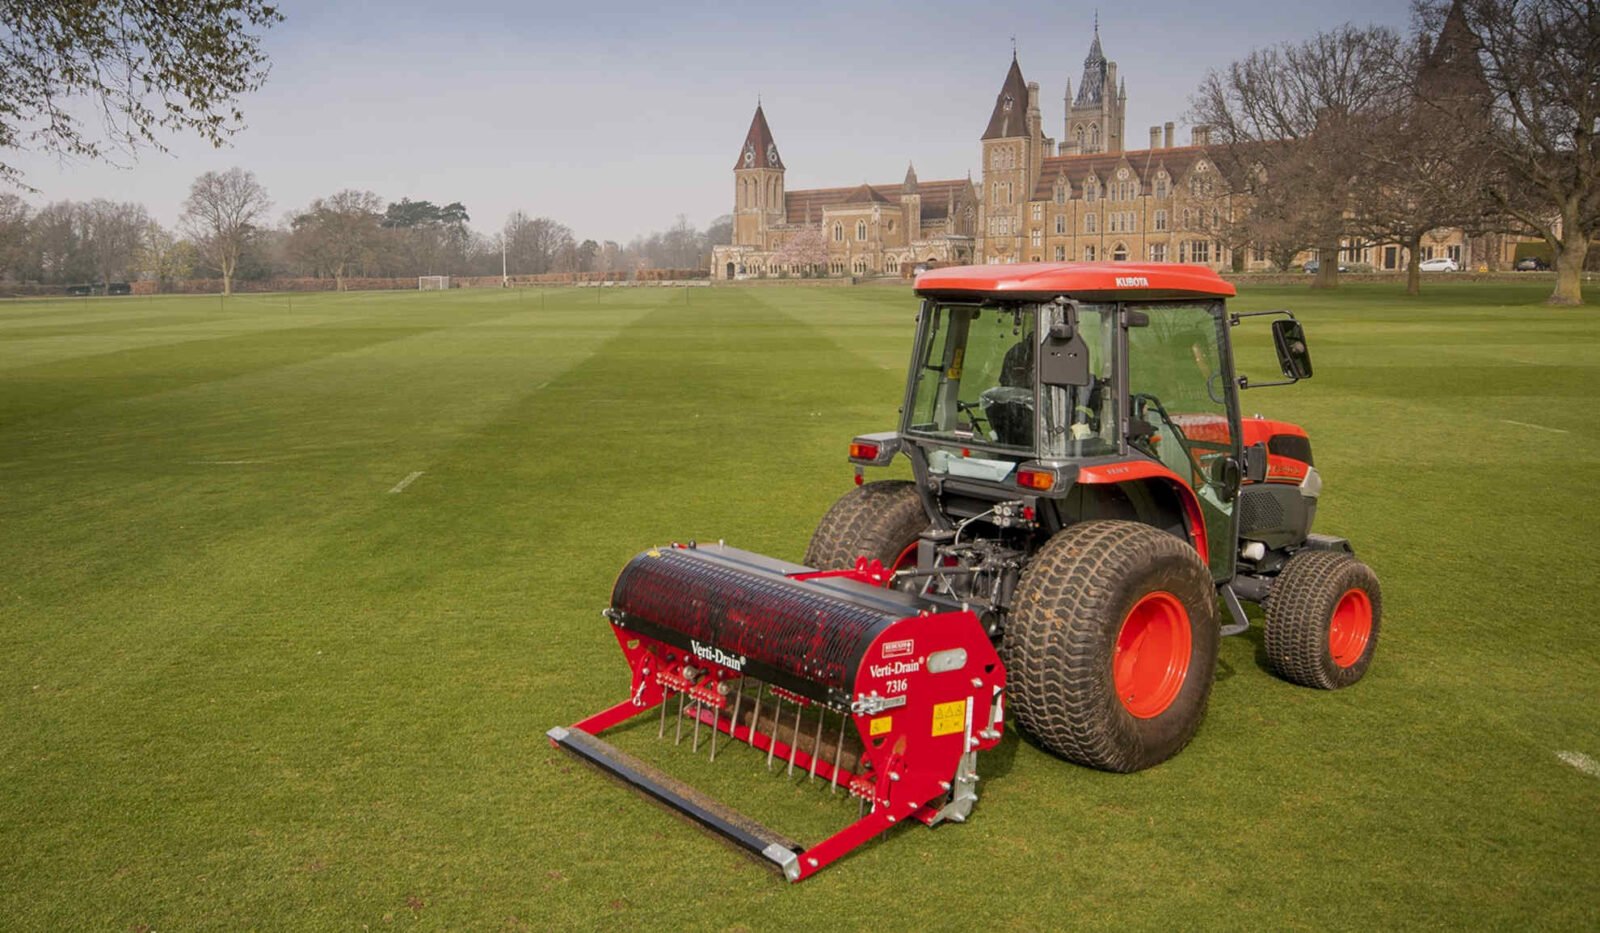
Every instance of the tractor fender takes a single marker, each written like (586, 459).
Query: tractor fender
(1149, 471)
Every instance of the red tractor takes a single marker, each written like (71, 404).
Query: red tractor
(1085, 492)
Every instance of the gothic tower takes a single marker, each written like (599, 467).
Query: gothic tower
(1013, 150)
(758, 185)
(1095, 117)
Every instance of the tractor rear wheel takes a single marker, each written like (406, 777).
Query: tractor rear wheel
(879, 521)
(1323, 616)
(1111, 647)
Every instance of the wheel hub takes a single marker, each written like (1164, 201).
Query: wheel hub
(1151, 660)
(1351, 627)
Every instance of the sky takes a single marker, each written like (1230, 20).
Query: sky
(615, 118)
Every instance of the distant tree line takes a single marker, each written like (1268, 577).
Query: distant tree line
(225, 233)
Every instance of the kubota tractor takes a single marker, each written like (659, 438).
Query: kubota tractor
(1086, 492)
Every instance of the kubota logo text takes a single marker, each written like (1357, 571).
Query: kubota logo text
(896, 669)
(899, 649)
(733, 662)
(1132, 281)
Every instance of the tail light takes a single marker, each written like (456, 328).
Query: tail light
(1040, 477)
(874, 449)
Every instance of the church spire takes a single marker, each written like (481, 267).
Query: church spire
(1092, 87)
(758, 151)
(911, 179)
(1010, 106)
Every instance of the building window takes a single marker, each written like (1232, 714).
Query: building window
(1061, 223)
(1119, 253)
(1061, 194)
(1061, 253)
(891, 224)
(838, 233)
(836, 267)
(891, 265)
(1454, 252)
(1088, 253)
(1161, 220)
(1163, 185)
(860, 267)
(1038, 211)
(1094, 136)
(861, 230)
(1091, 191)
(1158, 252)
(1089, 223)
(1037, 238)
(1199, 251)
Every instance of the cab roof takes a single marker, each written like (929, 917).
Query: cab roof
(1101, 281)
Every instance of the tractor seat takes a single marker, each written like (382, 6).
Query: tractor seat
(1009, 411)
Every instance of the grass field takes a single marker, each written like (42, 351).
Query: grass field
(247, 681)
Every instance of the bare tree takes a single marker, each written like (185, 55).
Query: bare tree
(221, 216)
(1541, 65)
(14, 216)
(178, 65)
(536, 245)
(337, 232)
(1296, 119)
(112, 231)
(162, 256)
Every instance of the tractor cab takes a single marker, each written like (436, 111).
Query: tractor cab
(1083, 390)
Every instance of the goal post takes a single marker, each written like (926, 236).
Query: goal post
(430, 283)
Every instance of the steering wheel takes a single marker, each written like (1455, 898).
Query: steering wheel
(974, 411)
(1211, 391)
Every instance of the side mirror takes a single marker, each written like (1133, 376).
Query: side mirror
(1293, 354)
(1255, 462)
(1226, 477)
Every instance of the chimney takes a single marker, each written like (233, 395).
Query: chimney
(1200, 136)
(1155, 137)
(1167, 132)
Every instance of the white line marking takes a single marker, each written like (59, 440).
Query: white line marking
(1582, 762)
(401, 486)
(540, 386)
(1536, 427)
(226, 462)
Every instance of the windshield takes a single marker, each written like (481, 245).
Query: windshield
(974, 383)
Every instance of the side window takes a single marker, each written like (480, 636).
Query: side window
(1178, 391)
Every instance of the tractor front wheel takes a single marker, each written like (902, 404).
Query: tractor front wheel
(1322, 620)
(879, 521)
(1111, 647)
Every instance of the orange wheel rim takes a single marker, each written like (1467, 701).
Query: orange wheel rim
(1351, 627)
(1151, 659)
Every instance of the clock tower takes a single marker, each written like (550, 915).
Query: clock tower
(758, 185)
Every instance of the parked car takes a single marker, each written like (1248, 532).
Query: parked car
(1439, 264)
(1532, 264)
(1313, 265)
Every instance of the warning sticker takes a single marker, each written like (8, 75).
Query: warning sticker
(949, 717)
(880, 725)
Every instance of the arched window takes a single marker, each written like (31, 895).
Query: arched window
(1080, 139)
(1094, 136)
(1119, 253)
(861, 230)
(1089, 224)
(838, 232)
(1061, 193)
